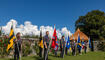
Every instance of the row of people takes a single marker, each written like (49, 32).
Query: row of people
(47, 40)
(63, 48)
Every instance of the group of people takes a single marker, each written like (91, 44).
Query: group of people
(63, 48)
(74, 47)
(47, 44)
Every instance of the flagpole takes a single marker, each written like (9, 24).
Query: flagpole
(69, 42)
(14, 35)
(43, 45)
(41, 39)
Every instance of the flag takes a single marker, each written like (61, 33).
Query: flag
(41, 40)
(56, 46)
(79, 42)
(11, 39)
(82, 44)
(68, 43)
(66, 39)
(90, 43)
(54, 39)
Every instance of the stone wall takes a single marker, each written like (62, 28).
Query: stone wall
(95, 45)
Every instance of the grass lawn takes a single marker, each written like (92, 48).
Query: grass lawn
(88, 56)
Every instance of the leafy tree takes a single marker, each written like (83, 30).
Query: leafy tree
(92, 24)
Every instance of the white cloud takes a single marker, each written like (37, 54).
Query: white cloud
(29, 29)
(65, 31)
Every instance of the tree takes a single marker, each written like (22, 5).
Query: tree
(92, 24)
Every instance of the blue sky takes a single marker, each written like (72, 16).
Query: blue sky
(63, 13)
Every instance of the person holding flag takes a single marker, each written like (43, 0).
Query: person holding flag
(56, 48)
(18, 47)
(46, 45)
(73, 47)
(79, 46)
(85, 47)
(41, 44)
(62, 46)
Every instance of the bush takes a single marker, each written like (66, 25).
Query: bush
(36, 48)
(26, 47)
(3, 46)
(26, 50)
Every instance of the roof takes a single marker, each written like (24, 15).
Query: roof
(81, 34)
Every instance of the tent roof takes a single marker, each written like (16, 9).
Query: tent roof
(81, 34)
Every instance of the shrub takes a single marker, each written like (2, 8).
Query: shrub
(26, 50)
(3, 46)
(36, 48)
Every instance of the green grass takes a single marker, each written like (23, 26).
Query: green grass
(88, 56)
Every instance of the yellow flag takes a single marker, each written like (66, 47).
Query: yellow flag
(11, 39)
(80, 44)
(41, 44)
(70, 48)
(41, 40)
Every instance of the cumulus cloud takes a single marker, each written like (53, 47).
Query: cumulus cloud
(29, 29)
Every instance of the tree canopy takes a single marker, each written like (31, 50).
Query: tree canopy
(92, 24)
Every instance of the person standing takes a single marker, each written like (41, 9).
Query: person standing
(62, 46)
(73, 47)
(79, 47)
(66, 49)
(18, 46)
(85, 46)
(56, 49)
(46, 44)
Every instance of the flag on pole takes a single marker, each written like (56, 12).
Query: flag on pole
(68, 43)
(66, 39)
(90, 43)
(54, 39)
(41, 40)
(11, 39)
(79, 42)
(83, 44)
(56, 46)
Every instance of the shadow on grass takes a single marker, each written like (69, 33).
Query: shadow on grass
(11, 59)
(38, 58)
(54, 56)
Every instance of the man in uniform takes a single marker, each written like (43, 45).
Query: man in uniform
(85, 46)
(62, 46)
(18, 46)
(46, 44)
(73, 47)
